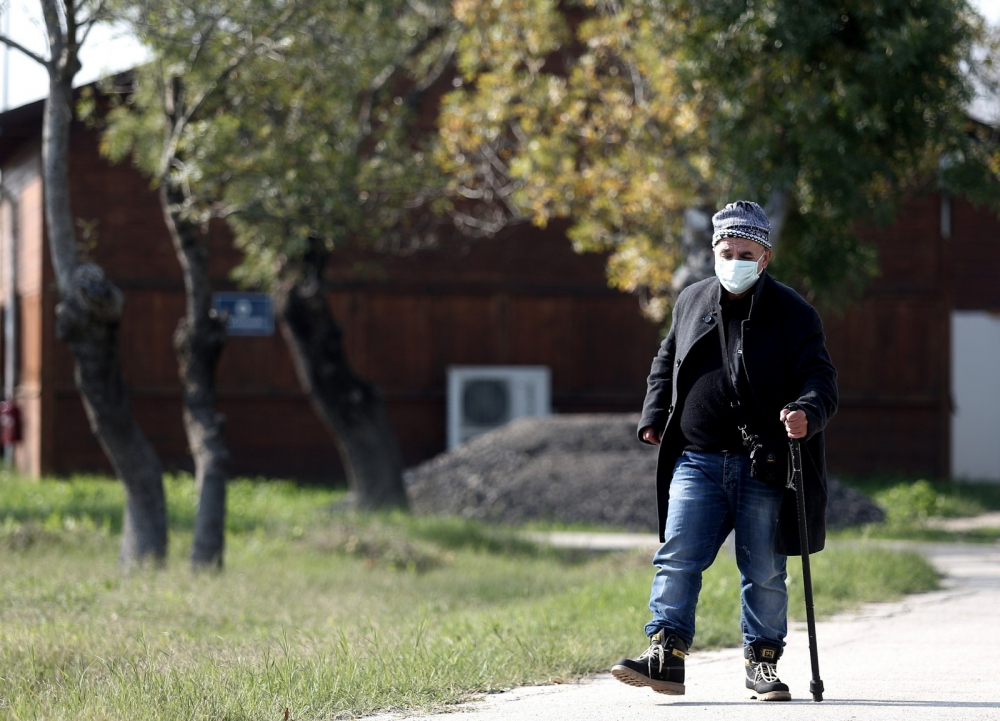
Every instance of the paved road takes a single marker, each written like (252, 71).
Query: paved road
(932, 656)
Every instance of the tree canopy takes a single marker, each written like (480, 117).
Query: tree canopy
(305, 130)
(622, 115)
(619, 116)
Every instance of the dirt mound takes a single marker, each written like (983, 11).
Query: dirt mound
(571, 469)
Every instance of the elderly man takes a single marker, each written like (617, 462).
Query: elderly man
(743, 369)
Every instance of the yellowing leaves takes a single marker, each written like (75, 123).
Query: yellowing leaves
(593, 139)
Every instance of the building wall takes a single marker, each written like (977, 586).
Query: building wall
(892, 354)
(269, 424)
(34, 309)
(975, 262)
(976, 388)
(523, 298)
(975, 272)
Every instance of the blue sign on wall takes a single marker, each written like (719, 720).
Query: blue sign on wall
(249, 313)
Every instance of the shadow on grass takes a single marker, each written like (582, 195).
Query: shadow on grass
(39, 511)
(448, 534)
(55, 504)
(99, 501)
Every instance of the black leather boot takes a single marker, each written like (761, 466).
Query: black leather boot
(660, 667)
(762, 672)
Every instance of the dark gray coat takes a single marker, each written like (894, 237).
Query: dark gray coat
(785, 359)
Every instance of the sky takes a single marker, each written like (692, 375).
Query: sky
(107, 50)
(110, 50)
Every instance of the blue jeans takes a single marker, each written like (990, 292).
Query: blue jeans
(712, 494)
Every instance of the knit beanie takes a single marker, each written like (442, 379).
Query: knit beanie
(742, 219)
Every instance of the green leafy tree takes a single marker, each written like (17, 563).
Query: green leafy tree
(198, 48)
(635, 119)
(327, 153)
(306, 148)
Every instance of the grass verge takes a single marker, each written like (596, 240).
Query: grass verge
(916, 508)
(326, 612)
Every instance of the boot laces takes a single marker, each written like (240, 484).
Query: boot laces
(767, 672)
(653, 652)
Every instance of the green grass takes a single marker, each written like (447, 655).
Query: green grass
(326, 612)
(913, 505)
(958, 497)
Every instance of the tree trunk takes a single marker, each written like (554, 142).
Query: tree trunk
(696, 249)
(87, 319)
(353, 410)
(198, 340)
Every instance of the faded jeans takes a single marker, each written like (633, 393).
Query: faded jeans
(712, 494)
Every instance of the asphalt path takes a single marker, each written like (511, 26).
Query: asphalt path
(930, 656)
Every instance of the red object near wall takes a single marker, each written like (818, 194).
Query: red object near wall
(10, 423)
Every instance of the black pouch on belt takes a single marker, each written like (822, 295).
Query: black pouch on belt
(767, 464)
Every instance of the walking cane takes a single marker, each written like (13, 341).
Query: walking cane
(797, 484)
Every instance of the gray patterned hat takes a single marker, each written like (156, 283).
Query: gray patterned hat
(742, 219)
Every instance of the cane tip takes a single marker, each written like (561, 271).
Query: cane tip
(816, 688)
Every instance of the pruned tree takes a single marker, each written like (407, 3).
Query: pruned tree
(327, 154)
(159, 121)
(304, 150)
(89, 311)
(635, 119)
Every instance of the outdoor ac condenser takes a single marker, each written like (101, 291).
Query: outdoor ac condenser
(481, 398)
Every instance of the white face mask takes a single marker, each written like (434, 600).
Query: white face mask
(737, 276)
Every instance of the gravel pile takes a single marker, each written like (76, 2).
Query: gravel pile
(571, 469)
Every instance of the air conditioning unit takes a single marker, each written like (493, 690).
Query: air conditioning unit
(481, 398)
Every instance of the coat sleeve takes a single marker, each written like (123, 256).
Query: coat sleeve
(815, 375)
(659, 384)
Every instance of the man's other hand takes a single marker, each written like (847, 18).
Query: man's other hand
(796, 423)
(651, 435)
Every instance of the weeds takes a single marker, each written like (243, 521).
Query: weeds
(915, 508)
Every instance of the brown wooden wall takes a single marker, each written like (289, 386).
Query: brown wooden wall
(975, 260)
(892, 353)
(524, 298)
(270, 426)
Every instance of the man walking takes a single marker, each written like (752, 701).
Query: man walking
(742, 349)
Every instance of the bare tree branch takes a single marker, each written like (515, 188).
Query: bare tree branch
(441, 64)
(53, 23)
(20, 48)
(387, 73)
(170, 148)
(95, 17)
(205, 37)
(72, 27)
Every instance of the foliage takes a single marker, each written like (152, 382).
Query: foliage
(312, 617)
(917, 508)
(972, 496)
(621, 115)
(162, 119)
(303, 130)
(915, 502)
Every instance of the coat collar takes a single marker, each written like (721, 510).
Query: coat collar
(764, 279)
